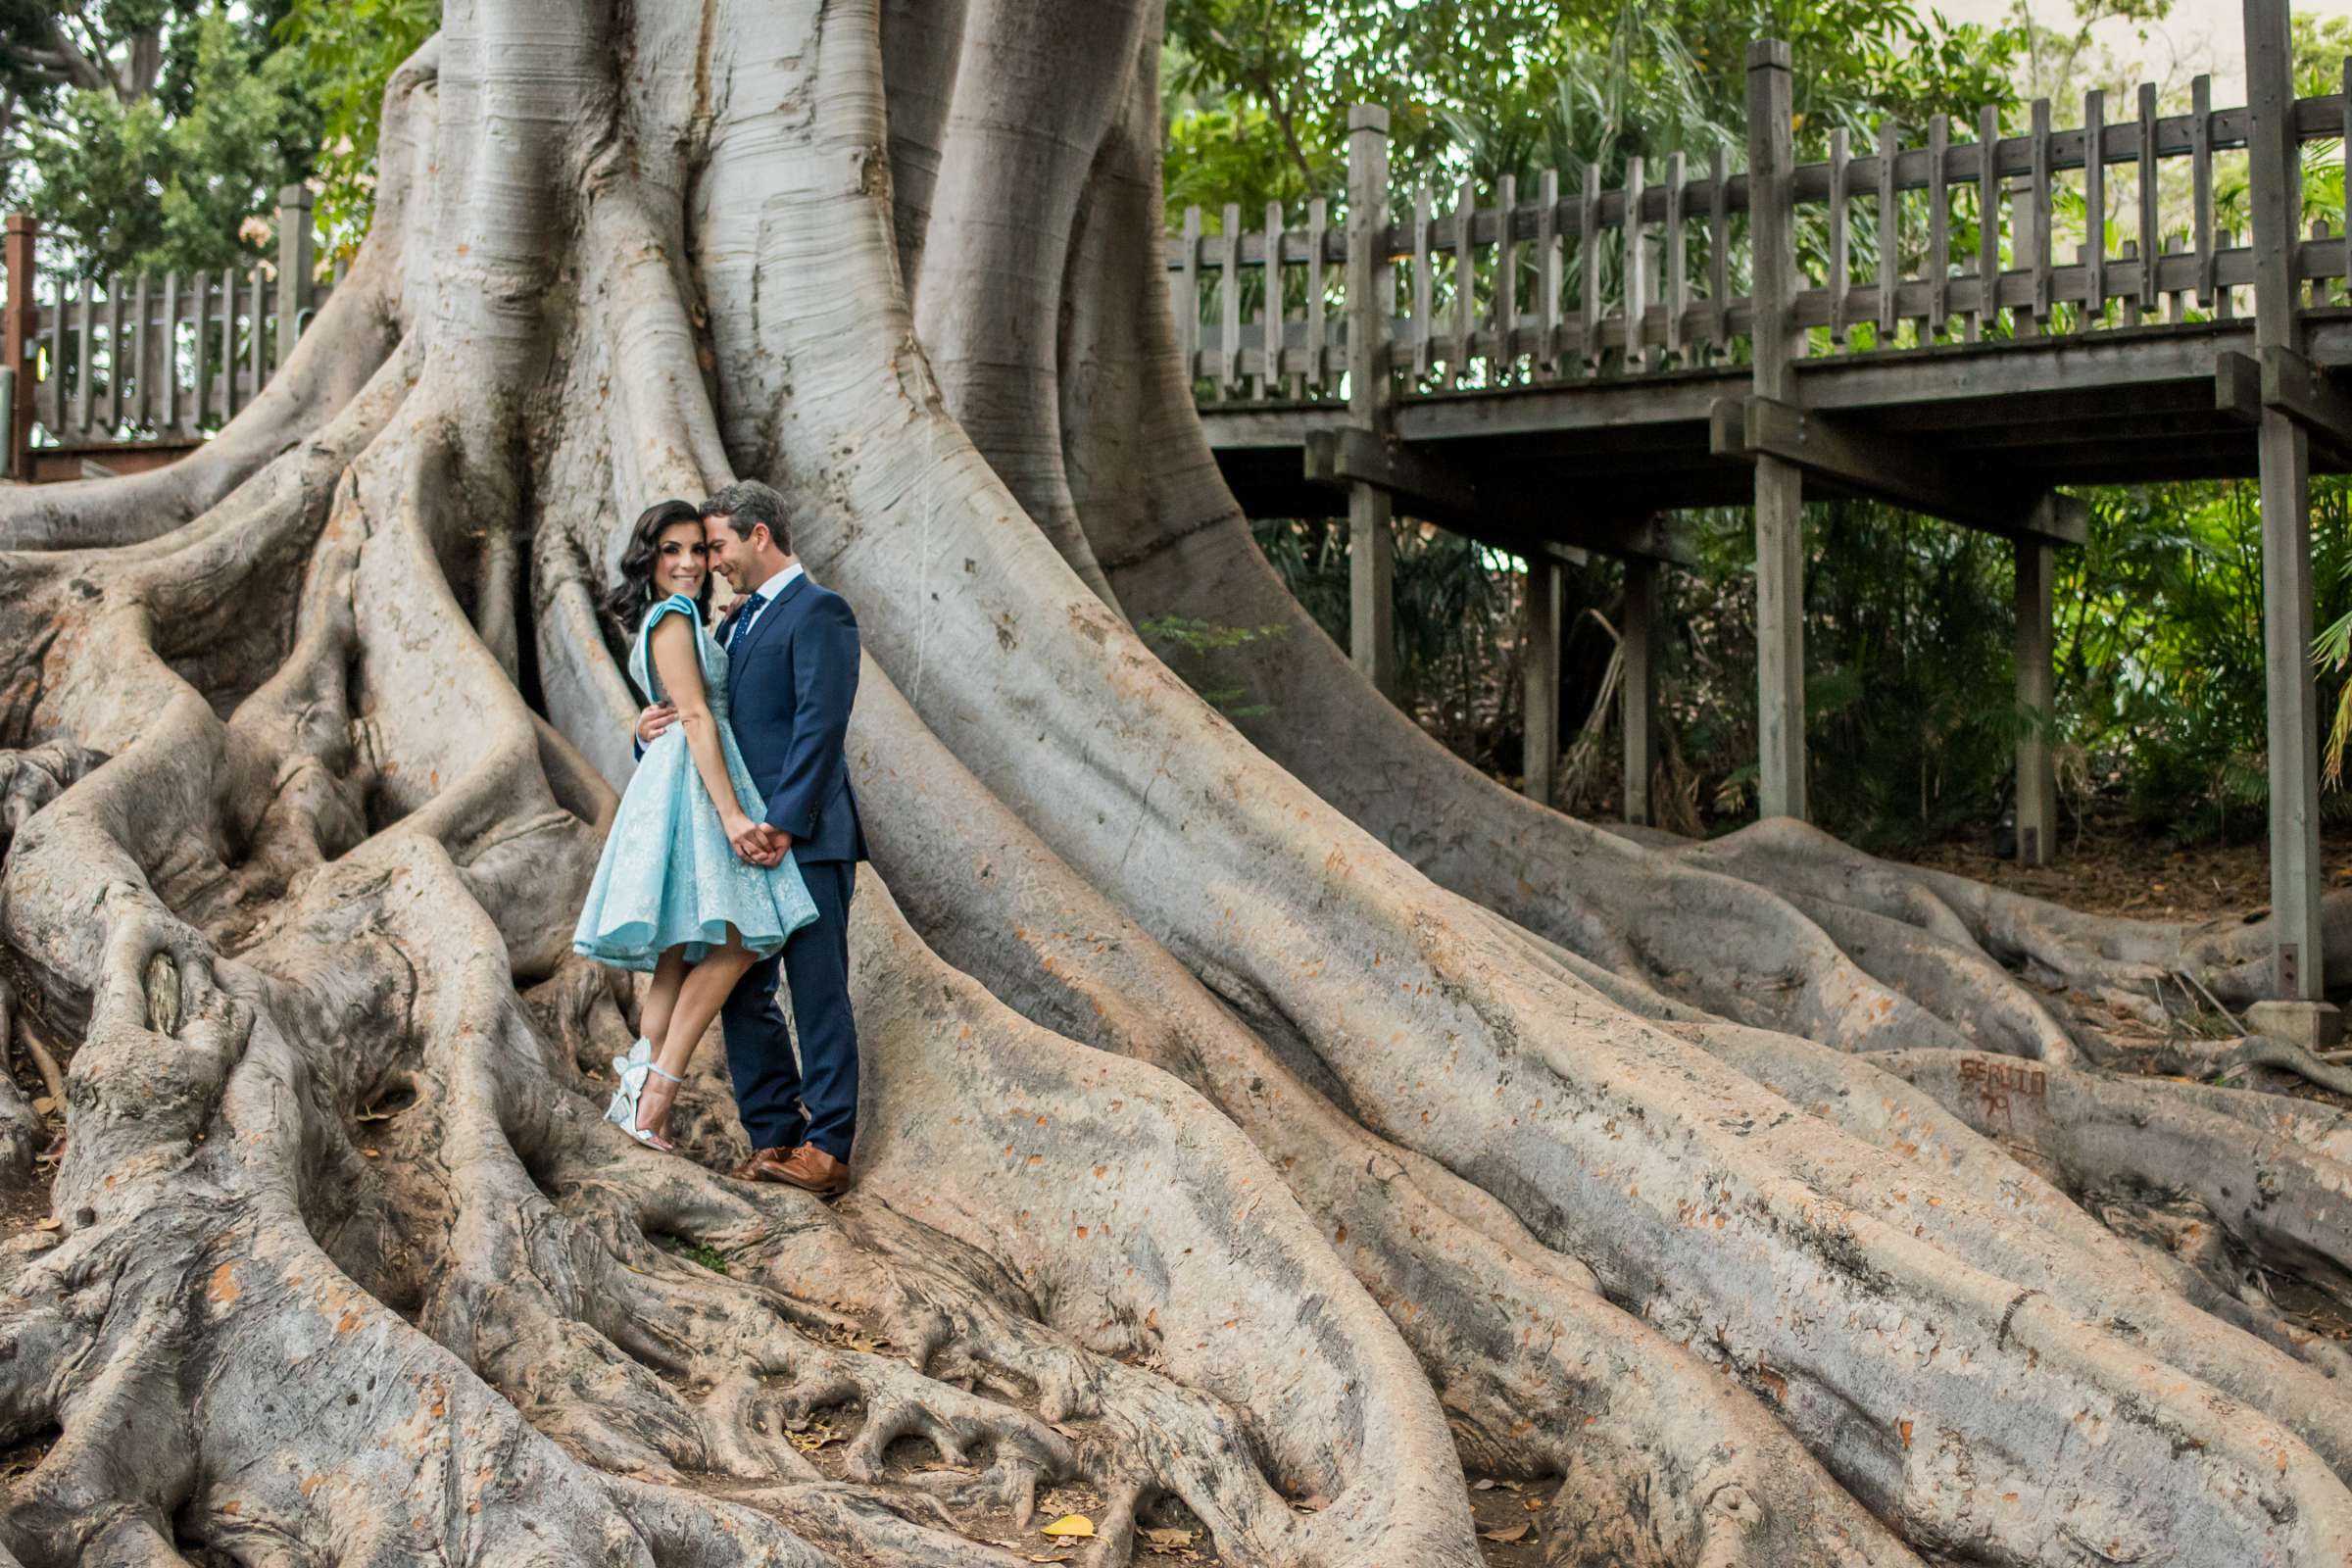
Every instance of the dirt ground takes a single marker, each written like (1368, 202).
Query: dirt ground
(2115, 870)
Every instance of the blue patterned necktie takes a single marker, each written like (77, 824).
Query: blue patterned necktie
(743, 621)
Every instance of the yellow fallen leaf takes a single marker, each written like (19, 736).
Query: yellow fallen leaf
(1069, 1524)
(50, 1224)
(44, 1103)
(1515, 1533)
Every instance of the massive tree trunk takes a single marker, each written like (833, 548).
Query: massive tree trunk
(1259, 1128)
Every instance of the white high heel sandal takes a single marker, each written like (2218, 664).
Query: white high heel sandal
(634, 1070)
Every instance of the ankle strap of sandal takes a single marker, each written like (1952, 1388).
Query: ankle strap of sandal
(658, 1073)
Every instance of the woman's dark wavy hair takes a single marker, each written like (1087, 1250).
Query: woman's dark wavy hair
(626, 604)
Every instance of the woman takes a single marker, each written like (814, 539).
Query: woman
(670, 893)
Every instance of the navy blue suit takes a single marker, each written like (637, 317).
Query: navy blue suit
(792, 676)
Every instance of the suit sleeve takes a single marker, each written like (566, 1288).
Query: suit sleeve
(824, 676)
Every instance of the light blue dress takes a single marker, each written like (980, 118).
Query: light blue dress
(668, 876)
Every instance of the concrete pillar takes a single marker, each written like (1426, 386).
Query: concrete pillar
(2037, 772)
(2276, 198)
(1638, 691)
(1540, 670)
(1371, 304)
(1779, 487)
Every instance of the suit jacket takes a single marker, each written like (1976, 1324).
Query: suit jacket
(791, 679)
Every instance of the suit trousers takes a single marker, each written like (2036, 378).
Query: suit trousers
(785, 1101)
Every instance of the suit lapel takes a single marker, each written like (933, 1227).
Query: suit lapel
(764, 623)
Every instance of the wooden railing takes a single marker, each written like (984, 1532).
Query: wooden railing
(130, 371)
(1659, 274)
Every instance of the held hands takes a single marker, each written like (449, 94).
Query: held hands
(654, 720)
(757, 842)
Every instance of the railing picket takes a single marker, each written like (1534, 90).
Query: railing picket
(1678, 260)
(1587, 310)
(1636, 282)
(261, 315)
(114, 353)
(2039, 238)
(1318, 341)
(1503, 358)
(201, 357)
(2150, 193)
(1939, 229)
(1989, 223)
(1891, 230)
(1229, 303)
(2200, 152)
(1548, 272)
(228, 344)
(1424, 290)
(1188, 295)
(1272, 316)
(1841, 263)
(2131, 307)
(82, 378)
(1719, 252)
(168, 417)
(55, 416)
(142, 349)
(2094, 209)
(2176, 311)
(1465, 282)
(2224, 299)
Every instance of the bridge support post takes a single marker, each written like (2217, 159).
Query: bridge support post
(2275, 188)
(18, 327)
(1780, 487)
(1639, 690)
(2037, 771)
(1540, 670)
(1371, 302)
(296, 259)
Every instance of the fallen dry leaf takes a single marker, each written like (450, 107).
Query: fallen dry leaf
(1069, 1524)
(44, 1103)
(1517, 1532)
(1483, 1483)
(1170, 1537)
(49, 1224)
(1314, 1504)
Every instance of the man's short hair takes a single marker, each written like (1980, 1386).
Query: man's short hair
(748, 502)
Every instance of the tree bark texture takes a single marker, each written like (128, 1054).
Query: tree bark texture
(1263, 1124)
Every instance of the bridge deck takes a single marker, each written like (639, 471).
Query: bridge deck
(2117, 406)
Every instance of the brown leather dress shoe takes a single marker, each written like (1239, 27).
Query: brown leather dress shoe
(812, 1168)
(761, 1165)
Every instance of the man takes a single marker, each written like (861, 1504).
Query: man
(792, 650)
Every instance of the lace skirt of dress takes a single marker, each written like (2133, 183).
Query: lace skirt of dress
(668, 877)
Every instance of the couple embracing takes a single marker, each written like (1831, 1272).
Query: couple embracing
(734, 851)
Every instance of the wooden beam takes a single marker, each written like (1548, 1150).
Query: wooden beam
(1431, 487)
(1908, 474)
(1540, 666)
(1371, 393)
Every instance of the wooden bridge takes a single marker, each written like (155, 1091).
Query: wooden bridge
(1560, 374)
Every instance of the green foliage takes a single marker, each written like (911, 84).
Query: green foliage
(702, 1253)
(347, 51)
(1256, 92)
(1188, 635)
(171, 134)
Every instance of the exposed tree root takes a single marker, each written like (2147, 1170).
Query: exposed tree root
(1218, 1165)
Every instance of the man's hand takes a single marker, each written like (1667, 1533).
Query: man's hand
(652, 722)
(758, 843)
